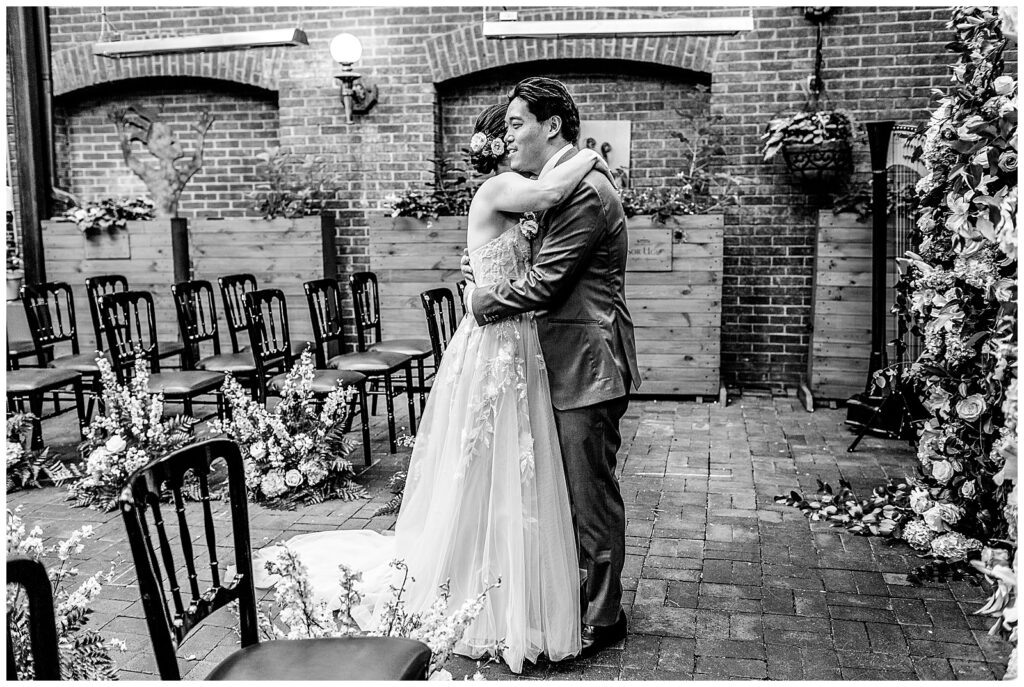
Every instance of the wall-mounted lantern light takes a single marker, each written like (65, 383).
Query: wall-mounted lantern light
(357, 96)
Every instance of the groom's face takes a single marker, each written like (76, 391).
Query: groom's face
(526, 138)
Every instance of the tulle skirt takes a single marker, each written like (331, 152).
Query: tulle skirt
(485, 499)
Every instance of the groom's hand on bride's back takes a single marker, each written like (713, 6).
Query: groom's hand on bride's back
(467, 269)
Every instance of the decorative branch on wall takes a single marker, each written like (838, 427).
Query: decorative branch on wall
(165, 180)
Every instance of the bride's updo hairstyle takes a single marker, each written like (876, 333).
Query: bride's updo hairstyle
(487, 147)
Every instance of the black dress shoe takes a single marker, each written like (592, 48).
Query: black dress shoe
(597, 637)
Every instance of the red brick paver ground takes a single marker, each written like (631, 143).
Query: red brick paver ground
(722, 583)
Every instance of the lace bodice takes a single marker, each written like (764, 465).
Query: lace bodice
(506, 256)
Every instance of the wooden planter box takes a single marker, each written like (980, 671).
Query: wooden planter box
(674, 290)
(841, 334)
(281, 253)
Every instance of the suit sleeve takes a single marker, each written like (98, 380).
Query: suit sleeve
(569, 241)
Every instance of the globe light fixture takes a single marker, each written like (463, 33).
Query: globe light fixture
(355, 95)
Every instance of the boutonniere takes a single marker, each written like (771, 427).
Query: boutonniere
(528, 225)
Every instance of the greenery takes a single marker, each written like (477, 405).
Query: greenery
(110, 214)
(807, 127)
(699, 188)
(450, 193)
(84, 653)
(27, 469)
(960, 293)
(291, 185)
(857, 198)
(298, 616)
(129, 434)
(295, 452)
(396, 484)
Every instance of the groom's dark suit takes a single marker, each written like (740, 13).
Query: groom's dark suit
(577, 288)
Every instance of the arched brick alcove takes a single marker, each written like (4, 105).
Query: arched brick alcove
(465, 51)
(89, 159)
(77, 68)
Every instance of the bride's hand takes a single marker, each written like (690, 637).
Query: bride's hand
(467, 269)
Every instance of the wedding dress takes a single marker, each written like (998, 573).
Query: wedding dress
(485, 496)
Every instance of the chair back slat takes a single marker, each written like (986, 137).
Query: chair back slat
(267, 319)
(233, 288)
(42, 629)
(366, 308)
(130, 322)
(167, 557)
(139, 504)
(197, 317)
(98, 286)
(211, 531)
(323, 296)
(439, 307)
(50, 311)
(186, 547)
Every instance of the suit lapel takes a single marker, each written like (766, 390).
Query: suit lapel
(542, 217)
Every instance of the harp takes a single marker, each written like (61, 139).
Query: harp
(894, 173)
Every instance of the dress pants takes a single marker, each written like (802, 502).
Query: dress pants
(589, 438)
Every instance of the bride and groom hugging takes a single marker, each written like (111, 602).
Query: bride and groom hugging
(513, 471)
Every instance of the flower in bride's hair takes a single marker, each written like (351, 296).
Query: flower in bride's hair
(497, 147)
(477, 143)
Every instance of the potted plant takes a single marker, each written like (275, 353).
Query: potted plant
(290, 185)
(109, 214)
(815, 143)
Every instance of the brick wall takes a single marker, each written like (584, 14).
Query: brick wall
(649, 102)
(89, 156)
(879, 62)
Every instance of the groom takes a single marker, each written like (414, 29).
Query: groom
(576, 287)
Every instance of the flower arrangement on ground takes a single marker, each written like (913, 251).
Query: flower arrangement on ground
(961, 295)
(25, 467)
(130, 433)
(84, 653)
(295, 452)
(299, 617)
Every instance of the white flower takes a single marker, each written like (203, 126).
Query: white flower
(293, 478)
(942, 470)
(1004, 85)
(273, 484)
(477, 143)
(954, 546)
(116, 444)
(258, 450)
(918, 534)
(967, 489)
(971, 408)
(933, 518)
(920, 500)
(497, 147)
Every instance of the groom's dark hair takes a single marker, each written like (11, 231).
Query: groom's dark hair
(546, 98)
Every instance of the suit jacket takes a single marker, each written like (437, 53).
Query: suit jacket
(576, 286)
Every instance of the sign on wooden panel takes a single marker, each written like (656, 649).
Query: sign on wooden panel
(650, 250)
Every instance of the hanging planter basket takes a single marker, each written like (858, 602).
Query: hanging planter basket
(821, 162)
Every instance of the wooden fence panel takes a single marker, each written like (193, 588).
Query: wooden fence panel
(676, 311)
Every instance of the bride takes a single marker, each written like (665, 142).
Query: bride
(485, 496)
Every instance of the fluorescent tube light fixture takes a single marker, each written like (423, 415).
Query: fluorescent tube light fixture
(204, 42)
(611, 28)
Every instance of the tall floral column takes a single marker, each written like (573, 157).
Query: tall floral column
(962, 295)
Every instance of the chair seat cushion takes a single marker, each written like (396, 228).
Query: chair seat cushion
(417, 348)
(348, 658)
(38, 378)
(169, 349)
(184, 382)
(324, 381)
(235, 363)
(83, 362)
(370, 363)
